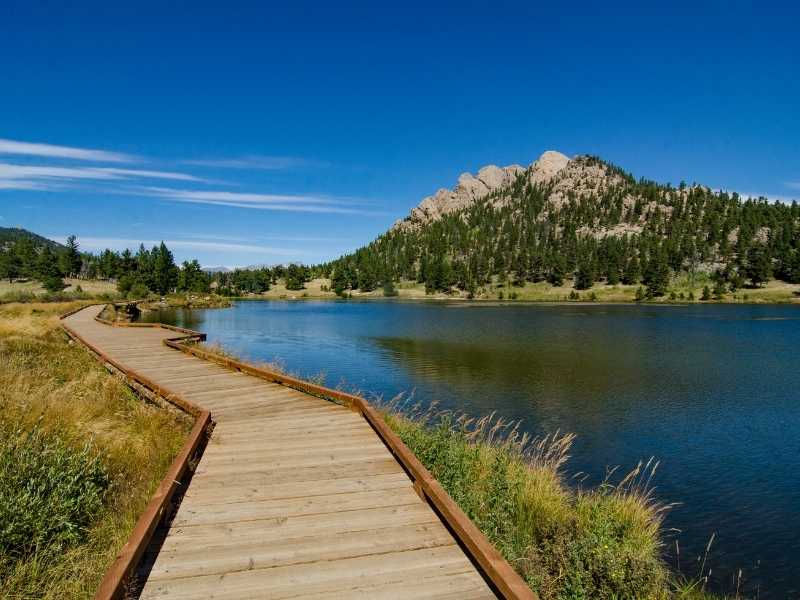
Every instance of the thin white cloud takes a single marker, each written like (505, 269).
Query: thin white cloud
(792, 185)
(223, 196)
(152, 174)
(51, 151)
(276, 202)
(101, 243)
(263, 163)
(19, 184)
(250, 239)
(11, 172)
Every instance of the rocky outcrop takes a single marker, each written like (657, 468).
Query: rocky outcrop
(473, 187)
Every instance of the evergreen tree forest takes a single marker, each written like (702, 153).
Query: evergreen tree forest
(148, 271)
(26, 256)
(630, 231)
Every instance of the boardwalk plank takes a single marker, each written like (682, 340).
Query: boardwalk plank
(294, 497)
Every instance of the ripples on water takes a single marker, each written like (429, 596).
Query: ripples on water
(711, 391)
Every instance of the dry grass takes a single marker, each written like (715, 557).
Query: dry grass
(773, 292)
(46, 380)
(90, 286)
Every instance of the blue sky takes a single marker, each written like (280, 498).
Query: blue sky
(246, 133)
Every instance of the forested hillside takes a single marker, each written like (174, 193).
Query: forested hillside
(580, 219)
(11, 235)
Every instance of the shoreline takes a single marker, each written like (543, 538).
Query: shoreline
(679, 292)
(497, 302)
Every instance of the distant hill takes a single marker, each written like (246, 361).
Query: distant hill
(582, 219)
(12, 234)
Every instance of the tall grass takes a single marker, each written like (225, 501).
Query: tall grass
(567, 542)
(81, 456)
(26, 296)
(50, 490)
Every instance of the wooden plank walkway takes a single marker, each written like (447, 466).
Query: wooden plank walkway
(294, 497)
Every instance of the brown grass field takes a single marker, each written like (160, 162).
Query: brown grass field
(57, 401)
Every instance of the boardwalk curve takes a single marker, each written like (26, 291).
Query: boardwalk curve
(294, 496)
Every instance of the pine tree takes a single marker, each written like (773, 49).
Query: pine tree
(656, 277)
(758, 268)
(192, 278)
(632, 272)
(584, 276)
(165, 273)
(557, 270)
(295, 277)
(339, 280)
(388, 288)
(71, 261)
(27, 257)
(48, 272)
(10, 264)
(719, 290)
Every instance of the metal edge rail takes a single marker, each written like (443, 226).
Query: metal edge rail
(113, 585)
(495, 569)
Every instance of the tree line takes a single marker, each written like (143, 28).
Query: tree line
(136, 274)
(515, 235)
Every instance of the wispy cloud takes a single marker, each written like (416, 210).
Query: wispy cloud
(51, 151)
(279, 202)
(101, 243)
(792, 185)
(16, 184)
(250, 239)
(28, 175)
(255, 162)
(120, 180)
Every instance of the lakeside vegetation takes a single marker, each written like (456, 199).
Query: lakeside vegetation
(605, 542)
(680, 290)
(80, 456)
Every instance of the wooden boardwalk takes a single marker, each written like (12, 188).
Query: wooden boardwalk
(294, 497)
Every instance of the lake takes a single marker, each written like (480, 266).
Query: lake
(713, 392)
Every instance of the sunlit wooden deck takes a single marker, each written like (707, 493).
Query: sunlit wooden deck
(294, 497)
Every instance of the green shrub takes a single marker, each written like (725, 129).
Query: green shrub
(49, 490)
(138, 291)
(53, 283)
(18, 296)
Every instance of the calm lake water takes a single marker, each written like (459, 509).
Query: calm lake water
(713, 392)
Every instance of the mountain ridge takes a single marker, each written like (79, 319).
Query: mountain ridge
(13, 234)
(578, 217)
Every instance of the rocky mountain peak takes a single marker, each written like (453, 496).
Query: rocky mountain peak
(473, 187)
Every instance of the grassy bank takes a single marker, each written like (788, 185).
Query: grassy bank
(80, 456)
(76, 289)
(604, 542)
(685, 289)
(186, 301)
